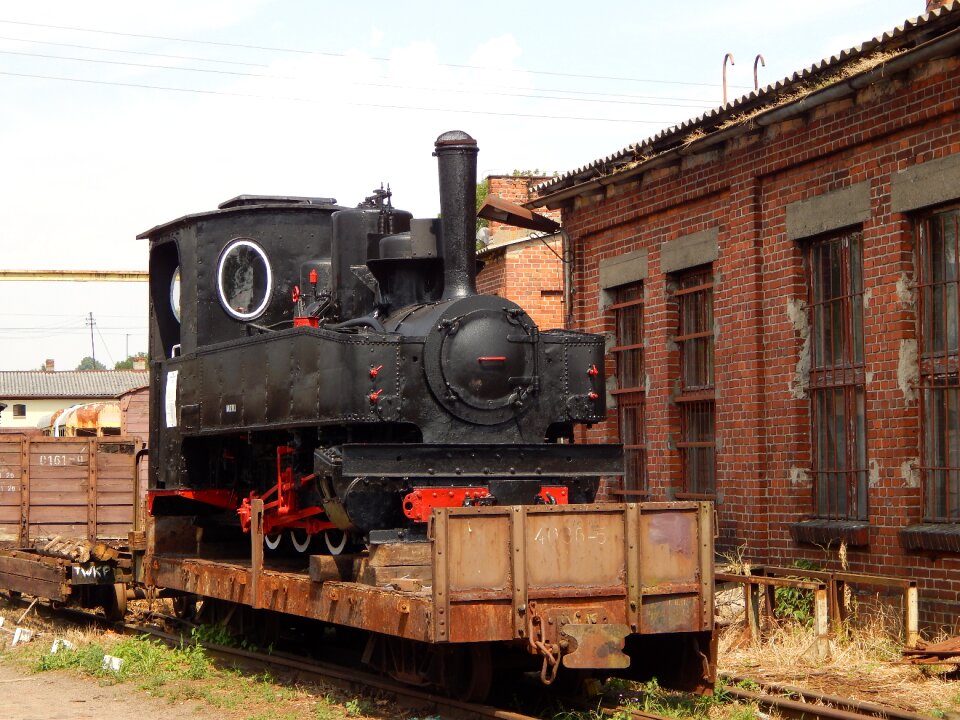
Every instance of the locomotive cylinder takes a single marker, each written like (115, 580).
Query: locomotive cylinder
(456, 154)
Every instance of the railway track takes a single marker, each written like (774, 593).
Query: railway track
(787, 701)
(791, 701)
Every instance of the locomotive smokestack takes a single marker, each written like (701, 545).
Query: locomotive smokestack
(456, 154)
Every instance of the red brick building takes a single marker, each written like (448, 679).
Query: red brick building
(779, 282)
(523, 265)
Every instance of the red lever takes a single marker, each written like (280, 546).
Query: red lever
(374, 371)
(492, 358)
(375, 396)
(593, 372)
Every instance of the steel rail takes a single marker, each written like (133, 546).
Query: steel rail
(832, 706)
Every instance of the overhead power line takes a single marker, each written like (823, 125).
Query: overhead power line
(326, 101)
(594, 93)
(60, 315)
(133, 52)
(361, 84)
(147, 65)
(325, 53)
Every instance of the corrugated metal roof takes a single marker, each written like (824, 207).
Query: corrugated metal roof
(913, 31)
(70, 384)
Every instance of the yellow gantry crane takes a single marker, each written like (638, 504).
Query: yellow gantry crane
(75, 275)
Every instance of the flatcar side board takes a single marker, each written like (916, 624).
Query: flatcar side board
(28, 575)
(640, 565)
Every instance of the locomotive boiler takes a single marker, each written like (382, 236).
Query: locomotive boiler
(339, 365)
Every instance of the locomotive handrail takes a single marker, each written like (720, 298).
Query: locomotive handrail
(481, 460)
(367, 321)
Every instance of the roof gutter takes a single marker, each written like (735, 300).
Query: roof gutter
(930, 50)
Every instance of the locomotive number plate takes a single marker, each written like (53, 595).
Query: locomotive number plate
(571, 533)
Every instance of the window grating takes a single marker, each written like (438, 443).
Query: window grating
(631, 382)
(937, 250)
(837, 384)
(697, 443)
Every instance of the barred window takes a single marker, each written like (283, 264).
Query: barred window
(19, 410)
(697, 443)
(837, 384)
(631, 383)
(937, 250)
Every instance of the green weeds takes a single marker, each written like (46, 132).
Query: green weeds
(186, 674)
(795, 604)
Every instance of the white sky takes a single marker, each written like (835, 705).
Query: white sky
(335, 99)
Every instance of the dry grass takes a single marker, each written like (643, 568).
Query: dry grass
(692, 137)
(863, 663)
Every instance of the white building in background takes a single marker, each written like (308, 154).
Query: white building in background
(34, 396)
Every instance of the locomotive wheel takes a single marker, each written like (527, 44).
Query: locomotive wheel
(115, 601)
(272, 542)
(462, 670)
(185, 606)
(335, 540)
(470, 676)
(300, 545)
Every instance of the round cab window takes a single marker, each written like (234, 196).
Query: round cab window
(175, 294)
(244, 279)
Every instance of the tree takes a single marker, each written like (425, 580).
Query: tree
(128, 363)
(89, 363)
(483, 189)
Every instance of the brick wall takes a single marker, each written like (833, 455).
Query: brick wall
(515, 189)
(762, 408)
(530, 273)
(527, 271)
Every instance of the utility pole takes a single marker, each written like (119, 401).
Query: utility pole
(93, 352)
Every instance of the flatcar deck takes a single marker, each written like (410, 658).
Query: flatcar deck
(490, 573)
(294, 593)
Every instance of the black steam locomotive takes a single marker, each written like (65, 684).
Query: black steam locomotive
(338, 364)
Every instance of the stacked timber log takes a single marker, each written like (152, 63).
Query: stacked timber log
(81, 551)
